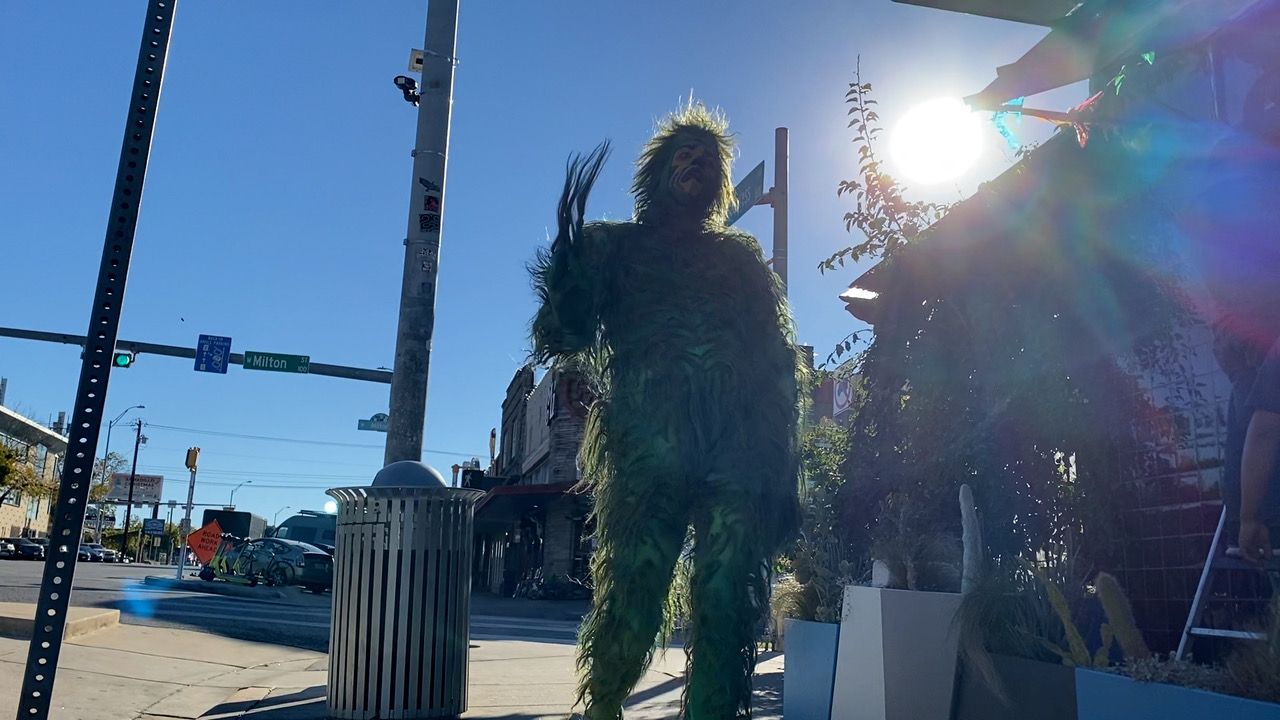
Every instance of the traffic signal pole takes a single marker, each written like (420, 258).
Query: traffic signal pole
(136, 347)
(193, 459)
(408, 405)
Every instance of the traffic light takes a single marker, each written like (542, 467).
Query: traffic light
(122, 359)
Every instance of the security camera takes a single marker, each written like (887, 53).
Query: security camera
(409, 87)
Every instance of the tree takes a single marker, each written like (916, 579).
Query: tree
(103, 469)
(18, 476)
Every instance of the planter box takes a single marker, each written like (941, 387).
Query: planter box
(1106, 696)
(809, 670)
(897, 655)
(1031, 689)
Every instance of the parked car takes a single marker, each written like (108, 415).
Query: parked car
(26, 550)
(83, 554)
(7, 549)
(98, 553)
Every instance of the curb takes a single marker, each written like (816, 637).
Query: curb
(214, 588)
(80, 621)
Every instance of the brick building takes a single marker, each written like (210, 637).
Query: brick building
(23, 514)
(531, 521)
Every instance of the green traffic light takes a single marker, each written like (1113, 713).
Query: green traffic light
(123, 359)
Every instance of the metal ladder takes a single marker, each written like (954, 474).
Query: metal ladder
(1229, 559)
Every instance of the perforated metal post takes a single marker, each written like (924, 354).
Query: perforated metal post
(399, 639)
(91, 393)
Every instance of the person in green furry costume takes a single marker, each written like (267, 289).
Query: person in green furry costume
(696, 425)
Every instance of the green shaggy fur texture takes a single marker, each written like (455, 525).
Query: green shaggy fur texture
(695, 428)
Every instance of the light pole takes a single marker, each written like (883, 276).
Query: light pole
(422, 243)
(106, 457)
(232, 504)
(276, 517)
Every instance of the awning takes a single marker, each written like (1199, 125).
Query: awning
(1098, 36)
(504, 505)
(1032, 12)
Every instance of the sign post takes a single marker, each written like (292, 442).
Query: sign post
(193, 459)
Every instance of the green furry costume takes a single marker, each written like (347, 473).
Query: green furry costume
(696, 425)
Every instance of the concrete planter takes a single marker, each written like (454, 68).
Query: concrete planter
(1107, 696)
(810, 669)
(897, 655)
(1031, 689)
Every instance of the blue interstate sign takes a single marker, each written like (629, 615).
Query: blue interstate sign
(213, 354)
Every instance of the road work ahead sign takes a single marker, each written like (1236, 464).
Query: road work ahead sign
(204, 542)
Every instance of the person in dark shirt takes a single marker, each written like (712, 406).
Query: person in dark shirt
(1260, 461)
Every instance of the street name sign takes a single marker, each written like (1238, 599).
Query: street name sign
(153, 526)
(146, 488)
(748, 192)
(213, 354)
(276, 362)
(376, 423)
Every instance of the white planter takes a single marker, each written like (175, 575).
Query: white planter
(896, 658)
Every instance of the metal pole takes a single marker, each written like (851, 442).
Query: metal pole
(95, 368)
(779, 195)
(193, 458)
(422, 245)
(128, 506)
(106, 457)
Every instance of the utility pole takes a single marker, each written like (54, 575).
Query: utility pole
(193, 459)
(128, 507)
(422, 245)
(779, 200)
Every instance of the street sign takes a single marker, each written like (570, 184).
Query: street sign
(185, 526)
(153, 526)
(204, 542)
(146, 488)
(276, 362)
(213, 354)
(376, 423)
(748, 192)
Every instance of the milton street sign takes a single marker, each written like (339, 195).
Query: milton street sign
(277, 362)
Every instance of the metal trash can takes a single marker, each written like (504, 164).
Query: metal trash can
(399, 637)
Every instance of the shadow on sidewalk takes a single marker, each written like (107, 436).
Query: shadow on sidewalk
(306, 704)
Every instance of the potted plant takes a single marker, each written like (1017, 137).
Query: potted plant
(1245, 687)
(806, 604)
(896, 657)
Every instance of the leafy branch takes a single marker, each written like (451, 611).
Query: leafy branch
(882, 213)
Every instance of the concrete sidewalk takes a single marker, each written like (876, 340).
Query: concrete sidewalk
(148, 673)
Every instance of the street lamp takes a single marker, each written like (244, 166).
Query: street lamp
(277, 515)
(106, 456)
(232, 504)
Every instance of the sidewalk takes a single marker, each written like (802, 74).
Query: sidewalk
(133, 672)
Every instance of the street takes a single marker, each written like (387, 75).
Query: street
(298, 619)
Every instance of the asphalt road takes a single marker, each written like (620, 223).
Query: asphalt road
(299, 619)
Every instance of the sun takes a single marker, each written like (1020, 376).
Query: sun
(937, 141)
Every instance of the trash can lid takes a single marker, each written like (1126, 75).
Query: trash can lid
(408, 473)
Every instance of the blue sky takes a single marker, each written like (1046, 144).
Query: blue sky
(276, 201)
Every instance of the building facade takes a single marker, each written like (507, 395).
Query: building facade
(1169, 180)
(533, 522)
(25, 514)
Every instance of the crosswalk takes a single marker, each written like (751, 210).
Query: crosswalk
(308, 624)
